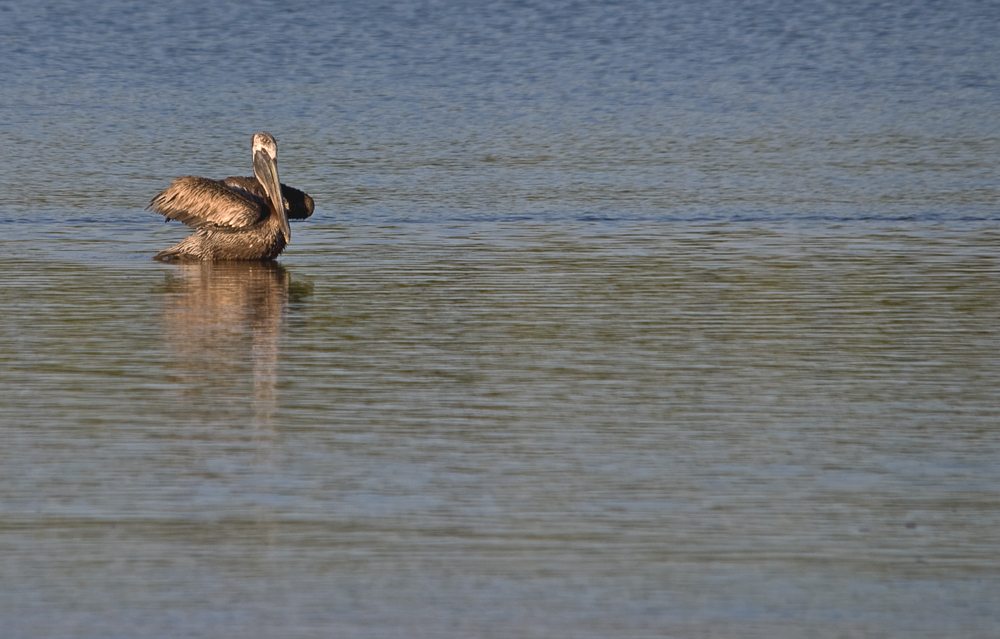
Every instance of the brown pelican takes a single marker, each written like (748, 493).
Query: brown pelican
(239, 218)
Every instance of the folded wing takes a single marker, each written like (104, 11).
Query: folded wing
(298, 205)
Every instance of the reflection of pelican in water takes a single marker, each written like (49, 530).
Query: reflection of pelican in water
(223, 324)
(239, 218)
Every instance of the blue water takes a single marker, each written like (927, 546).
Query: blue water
(631, 319)
(484, 110)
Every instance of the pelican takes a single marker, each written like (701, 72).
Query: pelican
(238, 218)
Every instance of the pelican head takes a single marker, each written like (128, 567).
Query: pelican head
(265, 168)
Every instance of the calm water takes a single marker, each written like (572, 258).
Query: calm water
(632, 319)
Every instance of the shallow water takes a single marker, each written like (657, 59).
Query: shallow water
(631, 320)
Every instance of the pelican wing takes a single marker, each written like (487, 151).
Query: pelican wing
(200, 202)
(298, 205)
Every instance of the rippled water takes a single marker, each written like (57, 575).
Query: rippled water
(639, 319)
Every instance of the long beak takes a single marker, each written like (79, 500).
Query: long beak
(265, 168)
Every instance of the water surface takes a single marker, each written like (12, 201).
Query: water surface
(637, 320)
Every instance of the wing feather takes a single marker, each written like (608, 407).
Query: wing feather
(200, 202)
(298, 205)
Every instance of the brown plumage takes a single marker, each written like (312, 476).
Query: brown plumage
(238, 218)
(298, 205)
